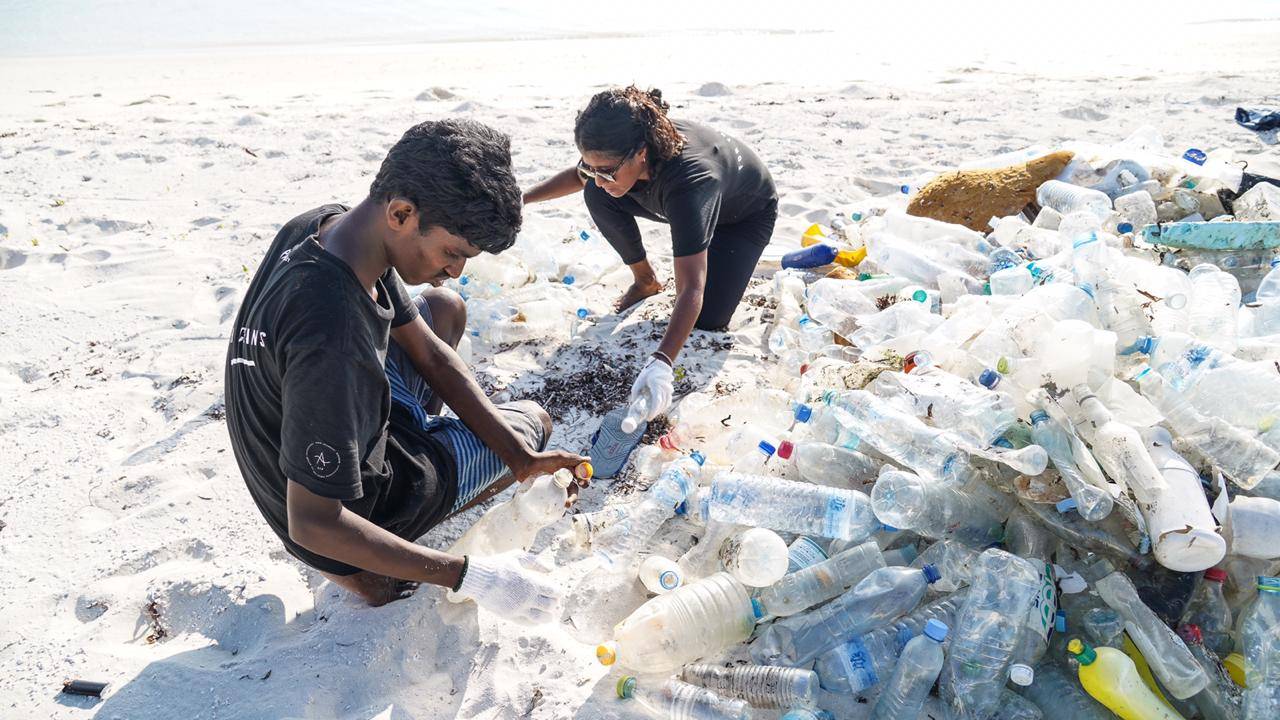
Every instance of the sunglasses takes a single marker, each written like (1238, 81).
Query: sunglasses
(606, 175)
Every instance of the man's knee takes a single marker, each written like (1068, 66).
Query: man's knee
(537, 412)
(448, 313)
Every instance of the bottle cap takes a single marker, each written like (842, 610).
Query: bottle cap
(607, 653)
(1215, 574)
(698, 457)
(1039, 416)
(1195, 155)
(1067, 505)
(567, 280)
(757, 608)
(916, 359)
(1125, 228)
(1082, 652)
(582, 313)
(669, 579)
(1002, 365)
(785, 448)
(989, 378)
(1234, 663)
(682, 508)
(767, 448)
(936, 630)
(931, 574)
(803, 412)
(920, 295)
(1021, 675)
(986, 288)
(1060, 621)
(855, 216)
(584, 470)
(1191, 633)
(626, 686)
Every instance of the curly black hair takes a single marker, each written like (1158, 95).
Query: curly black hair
(621, 120)
(458, 174)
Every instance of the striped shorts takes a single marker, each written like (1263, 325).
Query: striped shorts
(478, 467)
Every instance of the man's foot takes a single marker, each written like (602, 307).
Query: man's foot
(637, 292)
(373, 588)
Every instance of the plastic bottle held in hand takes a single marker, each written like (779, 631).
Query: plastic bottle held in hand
(763, 686)
(986, 632)
(677, 700)
(790, 506)
(756, 557)
(1215, 306)
(660, 575)
(692, 621)
(881, 596)
(1067, 198)
(637, 412)
(1260, 636)
(864, 661)
(1111, 678)
(1060, 697)
(620, 543)
(1092, 502)
(1168, 656)
(821, 581)
(1208, 611)
(918, 667)
(515, 523)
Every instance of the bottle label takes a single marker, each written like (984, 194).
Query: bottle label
(834, 523)
(1045, 604)
(803, 553)
(858, 666)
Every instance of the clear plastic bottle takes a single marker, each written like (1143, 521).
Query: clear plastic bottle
(514, 524)
(587, 526)
(1221, 699)
(881, 596)
(804, 552)
(755, 459)
(1026, 538)
(791, 506)
(806, 714)
(678, 700)
(1111, 678)
(757, 557)
(1060, 697)
(934, 508)
(619, 544)
(660, 575)
(821, 463)
(1016, 280)
(1013, 706)
(637, 413)
(1267, 317)
(1138, 208)
(864, 661)
(1215, 305)
(897, 434)
(1168, 656)
(1260, 636)
(822, 581)
(690, 622)
(917, 669)
(986, 632)
(950, 402)
(1067, 198)
(763, 686)
(1092, 502)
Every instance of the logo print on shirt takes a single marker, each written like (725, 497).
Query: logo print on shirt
(323, 459)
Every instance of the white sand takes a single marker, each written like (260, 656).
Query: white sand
(138, 194)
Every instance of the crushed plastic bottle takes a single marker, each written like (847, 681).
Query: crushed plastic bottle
(620, 543)
(791, 506)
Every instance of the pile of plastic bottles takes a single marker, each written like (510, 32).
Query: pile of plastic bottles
(1029, 473)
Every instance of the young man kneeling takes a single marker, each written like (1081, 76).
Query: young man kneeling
(334, 378)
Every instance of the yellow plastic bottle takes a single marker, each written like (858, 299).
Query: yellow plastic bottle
(1144, 670)
(1112, 679)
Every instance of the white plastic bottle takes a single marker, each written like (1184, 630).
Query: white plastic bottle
(757, 557)
(918, 667)
(515, 523)
(763, 686)
(660, 575)
(677, 700)
(1183, 531)
(693, 621)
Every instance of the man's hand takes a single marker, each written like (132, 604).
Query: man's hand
(532, 464)
(499, 584)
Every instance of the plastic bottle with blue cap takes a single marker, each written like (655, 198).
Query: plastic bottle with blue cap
(1092, 502)
(619, 544)
(918, 667)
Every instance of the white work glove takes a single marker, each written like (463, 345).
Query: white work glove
(500, 585)
(657, 381)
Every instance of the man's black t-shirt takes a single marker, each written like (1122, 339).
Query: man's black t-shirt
(715, 180)
(307, 395)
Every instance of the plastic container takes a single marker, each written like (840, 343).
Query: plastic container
(934, 508)
(619, 544)
(1067, 198)
(879, 598)
(789, 506)
(690, 622)
(986, 632)
(677, 700)
(763, 686)
(864, 661)
(821, 463)
(514, 524)
(896, 434)
(1221, 699)
(815, 255)
(1253, 527)
(660, 575)
(821, 581)
(952, 402)
(757, 557)
(904, 694)
(1111, 678)
(1209, 612)
(1170, 660)
(1260, 635)
(1214, 307)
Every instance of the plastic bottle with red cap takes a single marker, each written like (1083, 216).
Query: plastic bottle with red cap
(1209, 612)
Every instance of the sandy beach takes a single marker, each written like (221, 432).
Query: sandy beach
(139, 192)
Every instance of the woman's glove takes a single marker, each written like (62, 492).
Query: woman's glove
(498, 584)
(656, 381)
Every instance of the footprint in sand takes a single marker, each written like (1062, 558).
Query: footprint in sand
(148, 159)
(11, 258)
(1081, 112)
